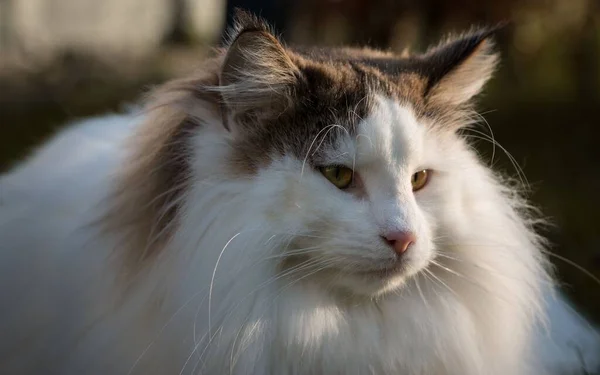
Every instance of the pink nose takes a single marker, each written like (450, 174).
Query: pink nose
(400, 241)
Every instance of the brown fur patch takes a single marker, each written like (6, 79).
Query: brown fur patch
(147, 194)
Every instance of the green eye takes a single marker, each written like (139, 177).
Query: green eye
(419, 179)
(341, 177)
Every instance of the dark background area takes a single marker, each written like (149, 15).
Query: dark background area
(542, 105)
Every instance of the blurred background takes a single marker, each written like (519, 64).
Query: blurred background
(61, 60)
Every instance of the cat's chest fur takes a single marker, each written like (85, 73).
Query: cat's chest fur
(366, 337)
(312, 333)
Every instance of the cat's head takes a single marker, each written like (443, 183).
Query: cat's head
(351, 155)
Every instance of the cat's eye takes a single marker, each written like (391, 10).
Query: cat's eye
(419, 179)
(340, 176)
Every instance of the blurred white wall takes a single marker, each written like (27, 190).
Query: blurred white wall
(133, 27)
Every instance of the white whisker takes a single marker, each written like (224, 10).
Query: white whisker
(212, 280)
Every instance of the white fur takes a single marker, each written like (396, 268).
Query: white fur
(218, 300)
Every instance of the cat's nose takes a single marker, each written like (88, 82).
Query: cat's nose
(400, 241)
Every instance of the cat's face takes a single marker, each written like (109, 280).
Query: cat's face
(351, 155)
(369, 223)
(355, 149)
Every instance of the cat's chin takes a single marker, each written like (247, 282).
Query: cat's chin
(379, 282)
(372, 287)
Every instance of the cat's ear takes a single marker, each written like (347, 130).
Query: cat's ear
(257, 76)
(458, 68)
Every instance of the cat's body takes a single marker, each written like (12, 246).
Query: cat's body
(191, 239)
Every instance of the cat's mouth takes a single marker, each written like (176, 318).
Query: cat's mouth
(394, 269)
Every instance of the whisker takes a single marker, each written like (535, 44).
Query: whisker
(425, 273)
(544, 251)
(303, 251)
(473, 282)
(328, 128)
(287, 273)
(212, 280)
(441, 282)
(573, 264)
(420, 291)
(446, 268)
(511, 158)
(161, 331)
(490, 269)
(356, 107)
(493, 139)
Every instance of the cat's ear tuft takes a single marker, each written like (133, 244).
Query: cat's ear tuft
(257, 75)
(245, 21)
(458, 68)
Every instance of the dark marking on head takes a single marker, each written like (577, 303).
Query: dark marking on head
(292, 94)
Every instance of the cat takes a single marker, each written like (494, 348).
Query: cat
(283, 211)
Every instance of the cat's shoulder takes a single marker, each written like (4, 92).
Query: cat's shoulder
(76, 158)
(77, 142)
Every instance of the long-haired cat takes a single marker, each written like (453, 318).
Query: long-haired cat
(284, 211)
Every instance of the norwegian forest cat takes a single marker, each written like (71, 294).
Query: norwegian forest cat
(283, 211)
